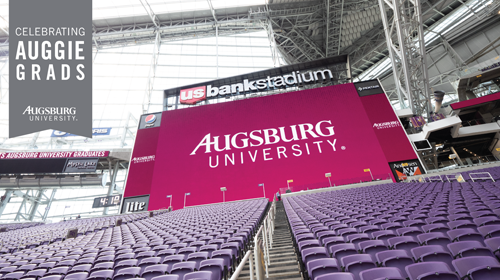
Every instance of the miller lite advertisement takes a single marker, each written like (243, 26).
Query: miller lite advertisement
(241, 144)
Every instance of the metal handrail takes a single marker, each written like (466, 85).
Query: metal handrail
(236, 274)
(479, 178)
(435, 179)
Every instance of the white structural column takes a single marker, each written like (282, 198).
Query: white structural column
(113, 171)
(404, 35)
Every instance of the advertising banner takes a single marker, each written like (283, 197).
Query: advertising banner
(135, 204)
(403, 169)
(81, 165)
(265, 140)
(50, 66)
(65, 154)
(95, 132)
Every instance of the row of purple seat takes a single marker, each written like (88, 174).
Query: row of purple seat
(209, 238)
(401, 226)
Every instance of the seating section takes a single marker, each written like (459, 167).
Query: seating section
(204, 242)
(33, 236)
(437, 230)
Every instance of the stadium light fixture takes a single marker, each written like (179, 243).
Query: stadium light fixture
(186, 194)
(328, 175)
(263, 188)
(223, 189)
(170, 196)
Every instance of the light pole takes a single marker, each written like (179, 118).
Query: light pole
(263, 188)
(170, 200)
(368, 170)
(186, 194)
(223, 189)
(328, 175)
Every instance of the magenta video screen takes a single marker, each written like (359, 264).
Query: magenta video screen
(289, 140)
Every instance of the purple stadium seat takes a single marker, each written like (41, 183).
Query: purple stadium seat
(52, 277)
(357, 263)
(216, 266)
(142, 255)
(26, 267)
(409, 231)
(61, 270)
(489, 231)
(403, 243)
(154, 271)
(341, 250)
(37, 273)
(187, 250)
(13, 275)
(319, 267)
(199, 275)
(167, 277)
(372, 247)
(494, 245)
(46, 265)
(125, 264)
(383, 235)
(198, 258)
(80, 268)
(477, 268)
(432, 253)
(469, 249)
(171, 260)
(395, 258)
(308, 244)
(336, 276)
(333, 240)
(489, 220)
(149, 261)
(77, 276)
(430, 271)
(209, 249)
(102, 266)
(126, 273)
(434, 238)
(465, 234)
(382, 273)
(102, 275)
(226, 255)
(183, 268)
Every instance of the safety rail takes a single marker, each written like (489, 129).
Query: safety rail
(435, 178)
(263, 241)
(237, 271)
(457, 176)
(488, 177)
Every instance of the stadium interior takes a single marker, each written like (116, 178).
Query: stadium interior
(267, 139)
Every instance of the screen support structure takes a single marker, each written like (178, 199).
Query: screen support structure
(113, 171)
(407, 53)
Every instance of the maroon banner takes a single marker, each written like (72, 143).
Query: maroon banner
(69, 154)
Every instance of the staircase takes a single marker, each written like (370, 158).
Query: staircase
(284, 262)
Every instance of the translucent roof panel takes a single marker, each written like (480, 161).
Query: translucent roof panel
(106, 9)
(120, 82)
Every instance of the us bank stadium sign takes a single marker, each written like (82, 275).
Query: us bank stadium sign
(197, 94)
(328, 70)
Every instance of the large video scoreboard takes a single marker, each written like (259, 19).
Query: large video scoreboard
(344, 130)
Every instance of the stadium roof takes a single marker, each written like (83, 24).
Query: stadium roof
(302, 30)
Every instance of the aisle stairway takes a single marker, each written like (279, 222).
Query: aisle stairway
(284, 262)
